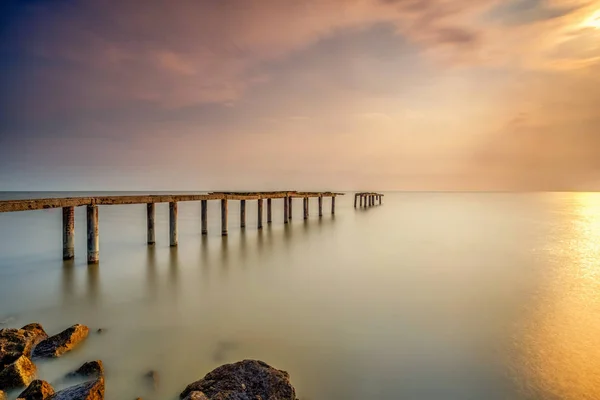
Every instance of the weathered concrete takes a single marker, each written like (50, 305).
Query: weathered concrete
(305, 207)
(321, 205)
(93, 240)
(260, 214)
(269, 211)
(223, 217)
(150, 222)
(68, 217)
(204, 216)
(286, 207)
(173, 235)
(242, 214)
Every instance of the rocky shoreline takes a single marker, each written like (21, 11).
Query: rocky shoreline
(19, 348)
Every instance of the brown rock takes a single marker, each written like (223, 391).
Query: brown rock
(18, 374)
(2, 395)
(94, 369)
(37, 390)
(196, 396)
(93, 390)
(248, 379)
(57, 345)
(15, 343)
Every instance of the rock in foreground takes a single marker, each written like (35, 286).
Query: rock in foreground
(2, 395)
(18, 374)
(93, 369)
(37, 390)
(57, 345)
(244, 380)
(93, 390)
(15, 343)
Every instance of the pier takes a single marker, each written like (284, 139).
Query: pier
(68, 205)
(367, 199)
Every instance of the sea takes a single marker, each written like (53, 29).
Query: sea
(432, 296)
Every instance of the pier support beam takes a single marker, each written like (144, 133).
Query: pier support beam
(172, 224)
(380, 199)
(361, 200)
(242, 214)
(355, 198)
(305, 207)
(321, 205)
(269, 211)
(260, 214)
(332, 205)
(290, 209)
(204, 216)
(93, 240)
(150, 222)
(223, 217)
(286, 205)
(68, 214)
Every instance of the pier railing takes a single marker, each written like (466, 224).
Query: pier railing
(68, 205)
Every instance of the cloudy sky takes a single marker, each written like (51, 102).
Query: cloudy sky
(300, 94)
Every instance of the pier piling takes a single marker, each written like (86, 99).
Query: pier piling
(305, 207)
(68, 214)
(93, 240)
(332, 205)
(150, 222)
(290, 209)
(173, 224)
(286, 205)
(242, 214)
(204, 216)
(321, 205)
(260, 214)
(223, 217)
(269, 211)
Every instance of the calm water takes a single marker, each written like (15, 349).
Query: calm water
(430, 296)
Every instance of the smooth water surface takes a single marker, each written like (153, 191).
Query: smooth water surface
(429, 296)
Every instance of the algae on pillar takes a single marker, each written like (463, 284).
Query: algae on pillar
(150, 222)
(223, 217)
(204, 216)
(173, 224)
(68, 214)
(242, 213)
(93, 240)
(260, 213)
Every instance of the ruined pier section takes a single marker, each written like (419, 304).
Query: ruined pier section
(68, 205)
(367, 199)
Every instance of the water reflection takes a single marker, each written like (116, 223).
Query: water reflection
(93, 279)
(562, 355)
(151, 271)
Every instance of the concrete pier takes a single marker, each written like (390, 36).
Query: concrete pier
(204, 216)
(368, 199)
(150, 211)
(333, 205)
(269, 211)
(223, 217)
(260, 214)
(286, 206)
(290, 212)
(379, 199)
(93, 240)
(68, 217)
(173, 224)
(321, 205)
(242, 214)
(305, 207)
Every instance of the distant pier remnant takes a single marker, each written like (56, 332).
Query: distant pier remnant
(68, 214)
(367, 198)
(93, 240)
(68, 205)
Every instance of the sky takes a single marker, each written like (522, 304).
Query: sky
(300, 95)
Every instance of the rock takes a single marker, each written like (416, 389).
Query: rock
(196, 396)
(93, 369)
(153, 378)
(100, 330)
(15, 343)
(244, 380)
(57, 345)
(37, 390)
(3, 395)
(93, 390)
(18, 374)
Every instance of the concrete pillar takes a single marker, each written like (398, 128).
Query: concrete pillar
(68, 214)
(286, 205)
(204, 216)
(370, 200)
(305, 207)
(355, 198)
(242, 213)
(361, 200)
(150, 221)
(223, 217)
(321, 205)
(290, 209)
(93, 240)
(260, 214)
(172, 224)
(380, 199)
(332, 205)
(269, 213)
